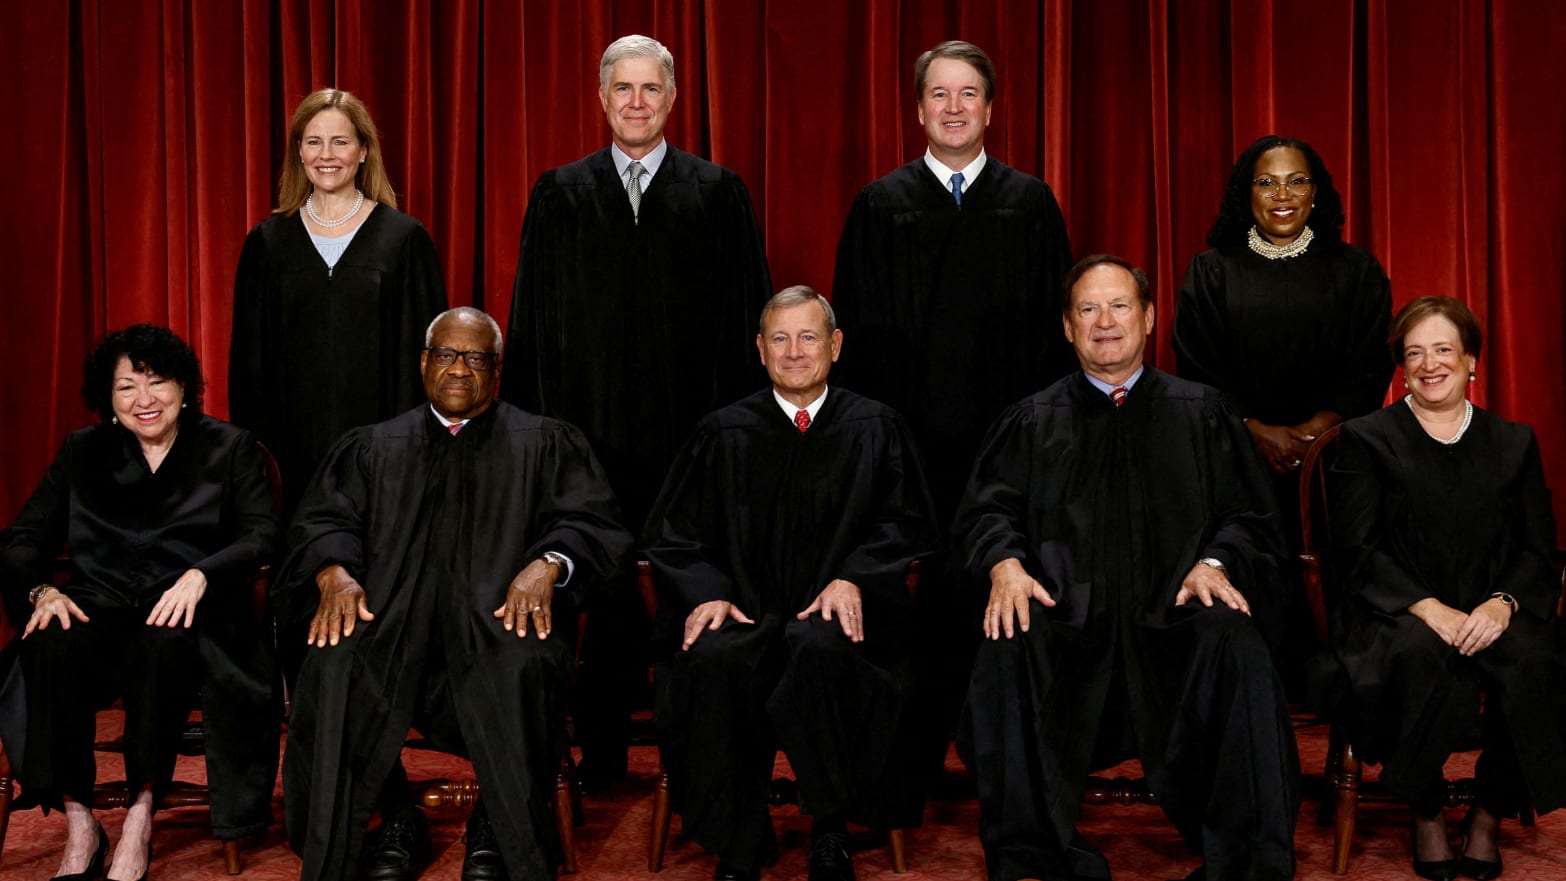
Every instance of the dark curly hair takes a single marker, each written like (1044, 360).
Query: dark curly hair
(1234, 212)
(151, 349)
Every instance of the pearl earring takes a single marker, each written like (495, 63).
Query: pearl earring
(1471, 377)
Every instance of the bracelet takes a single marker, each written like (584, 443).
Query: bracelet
(36, 594)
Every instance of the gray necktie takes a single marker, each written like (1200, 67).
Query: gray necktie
(633, 187)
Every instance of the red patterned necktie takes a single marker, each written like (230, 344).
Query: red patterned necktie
(455, 427)
(1119, 395)
(802, 419)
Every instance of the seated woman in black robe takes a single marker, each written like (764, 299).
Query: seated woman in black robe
(1444, 527)
(166, 513)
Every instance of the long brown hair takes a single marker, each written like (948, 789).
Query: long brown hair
(293, 187)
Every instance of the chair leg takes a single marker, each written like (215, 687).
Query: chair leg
(1332, 769)
(1347, 798)
(658, 836)
(894, 837)
(563, 821)
(231, 856)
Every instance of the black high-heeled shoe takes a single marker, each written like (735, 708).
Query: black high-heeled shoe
(1477, 869)
(94, 868)
(1430, 870)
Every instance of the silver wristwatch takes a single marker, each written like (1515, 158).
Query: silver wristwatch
(1213, 562)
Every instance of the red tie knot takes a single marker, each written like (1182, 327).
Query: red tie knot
(1119, 395)
(802, 419)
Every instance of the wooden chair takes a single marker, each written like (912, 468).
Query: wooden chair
(1343, 775)
(443, 792)
(783, 790)
(116, 794)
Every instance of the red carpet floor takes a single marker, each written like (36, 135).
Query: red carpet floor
(613, 844)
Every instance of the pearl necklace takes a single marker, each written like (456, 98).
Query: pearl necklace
(329, 224)
(1468, 418)
(1279, 252)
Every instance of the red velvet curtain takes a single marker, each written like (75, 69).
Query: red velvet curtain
(147, 134)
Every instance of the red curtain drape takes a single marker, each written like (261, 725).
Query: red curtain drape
(146, 138)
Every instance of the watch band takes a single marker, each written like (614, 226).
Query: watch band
(1215, 563)
(1506, 599)
(36, 594)
(557, 559)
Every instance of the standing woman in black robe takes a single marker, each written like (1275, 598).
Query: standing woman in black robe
(1280, 314)
(1444, 532)
(167, 513)
(332, 297)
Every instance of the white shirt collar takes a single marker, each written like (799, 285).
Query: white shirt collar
(651, 161)
(447, 422)
(970, 173)
(789, 408)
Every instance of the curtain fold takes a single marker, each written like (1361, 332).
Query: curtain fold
(148, 135)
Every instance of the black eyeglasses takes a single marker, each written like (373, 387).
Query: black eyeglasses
(480, 361)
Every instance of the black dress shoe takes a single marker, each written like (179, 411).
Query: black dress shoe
(726, 872)
(402, 849)
(95, 865)
(829, 860)
(481, 859)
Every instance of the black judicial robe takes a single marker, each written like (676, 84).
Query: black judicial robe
(634, 329)
(318, 351)
(132, 533)
(764, 516)
(1415, 518)
(952, 313)
(435, 527)
(1110, 508)
(1285, 339)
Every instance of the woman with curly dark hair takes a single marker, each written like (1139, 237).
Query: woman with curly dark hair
(166, 513)
(1285, 318)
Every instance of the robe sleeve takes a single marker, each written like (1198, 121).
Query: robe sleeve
(248, 495)
(576, 512)
(250, 345)
(535, 285)
(1529, 574)
(32, 543)
(328, 526)
(1245, 533)
(1365, 365)
(689, 527)
(423, 296)
(1201, 334)
(903, 528)
(992, 521)
(1364, 553)
(862, 273)
(749, 284)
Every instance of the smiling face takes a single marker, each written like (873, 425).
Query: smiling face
(146, 404)
(1281, 194)
(1108, 323)
(954, 111)
(459, 392)
(636, 102)
(1435, 365)
(331, 152)
(798, 352)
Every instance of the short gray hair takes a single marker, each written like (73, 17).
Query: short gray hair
(470, 313)
(798, 295)
(636, 46)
